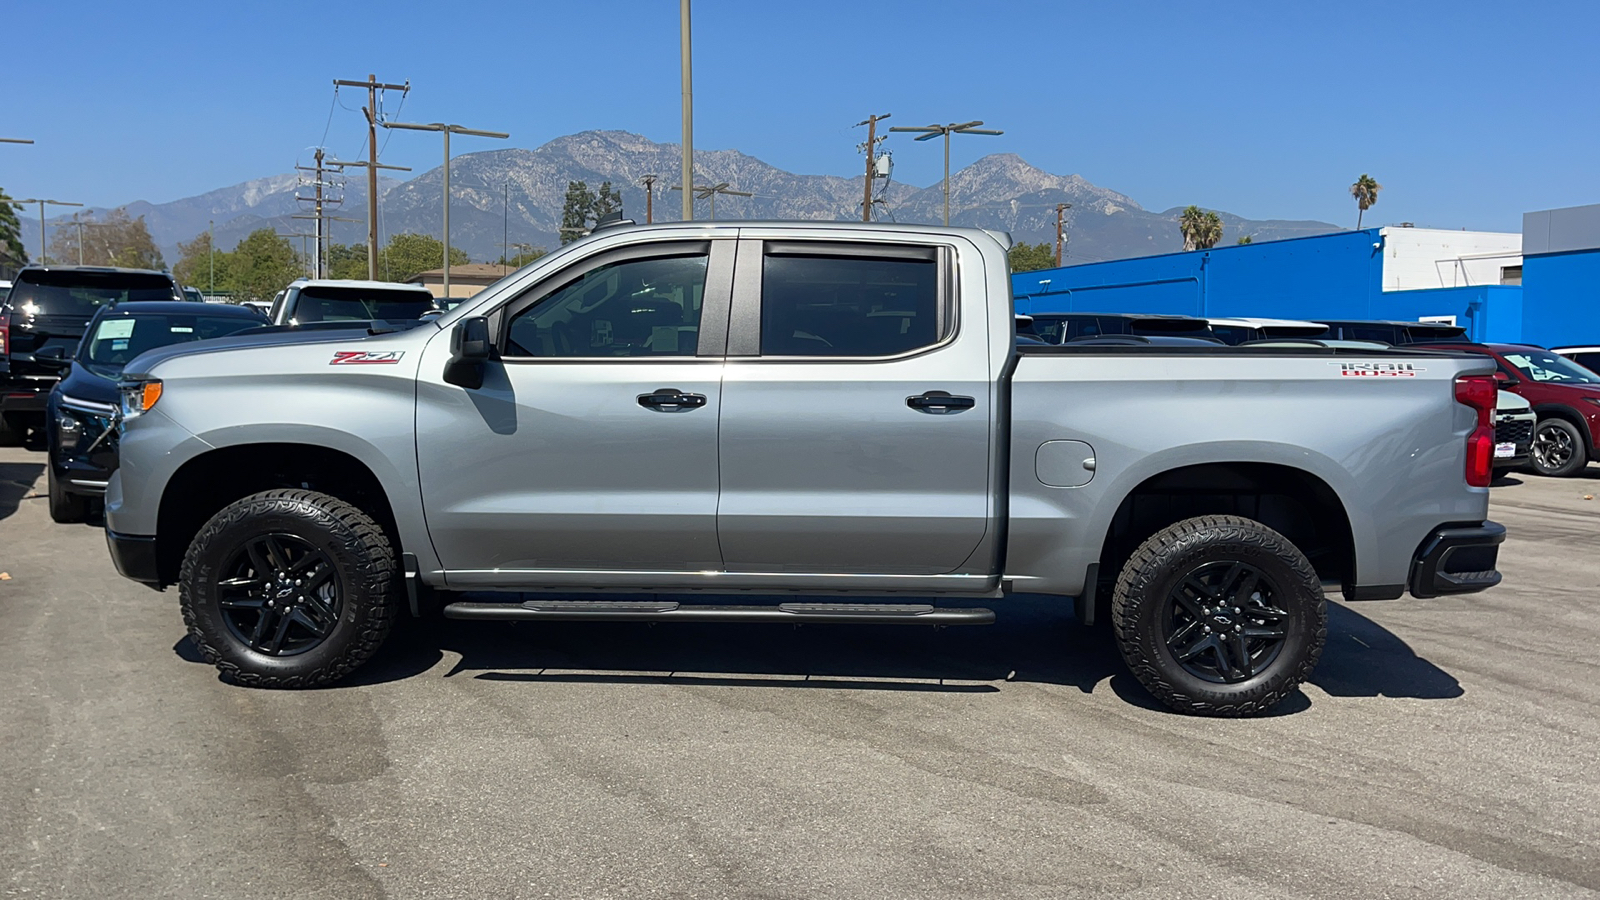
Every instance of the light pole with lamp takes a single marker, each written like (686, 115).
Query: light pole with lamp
(44, 255)
(447, 130)
(932, 131)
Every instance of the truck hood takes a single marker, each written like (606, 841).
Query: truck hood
(359, 337)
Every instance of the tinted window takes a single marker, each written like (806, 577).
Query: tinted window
(1048, 330)
(848, 305)
(1194, 328)
(117, 339)
(68, 293)
(333, 304)
(1231, 334)
(1449, 334)
(641, 307)
(1589, 361)
(1388, 334)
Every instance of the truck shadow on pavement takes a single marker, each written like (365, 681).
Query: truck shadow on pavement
(1033, 640)
(16, 482)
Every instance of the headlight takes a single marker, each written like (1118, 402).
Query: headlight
(138, 397)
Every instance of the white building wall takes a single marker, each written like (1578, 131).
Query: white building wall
(1415, 258)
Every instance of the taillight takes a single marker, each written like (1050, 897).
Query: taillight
(1479, 392)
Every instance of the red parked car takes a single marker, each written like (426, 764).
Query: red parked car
(1564, 394)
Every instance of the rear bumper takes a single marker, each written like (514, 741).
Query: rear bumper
(1457, 559)
(17, 395)
(134, 556)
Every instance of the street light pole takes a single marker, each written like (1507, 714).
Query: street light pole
(688, 109)
(447, 130)
(44, 253)
(211, 252)
(932, 131)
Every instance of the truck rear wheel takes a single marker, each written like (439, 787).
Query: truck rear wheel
(288, 589)
(1219, 616)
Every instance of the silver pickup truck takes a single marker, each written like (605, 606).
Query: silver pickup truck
(836, 422)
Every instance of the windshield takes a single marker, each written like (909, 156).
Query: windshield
(333, 304)
(70, 293)
(1550, 368)
(118, 339)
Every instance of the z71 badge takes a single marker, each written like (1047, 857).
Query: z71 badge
(1377, 370)
(366, 357)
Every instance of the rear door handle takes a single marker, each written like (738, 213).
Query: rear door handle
(939, 402)
(671, 400)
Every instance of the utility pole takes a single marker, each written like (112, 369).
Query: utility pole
(688, 110)
(932, 131)
(78, 223)
(371, 110)
(318, 267)
(1060, 208)
(44, 253)
(871, 147)
(649, 198)
(447, 130)
(211, 252)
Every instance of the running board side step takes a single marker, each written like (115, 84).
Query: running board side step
(669, 611)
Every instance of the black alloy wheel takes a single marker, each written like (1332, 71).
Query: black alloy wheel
(1220, 622)
(1558, 449)
(1219, 616)
(280, 595)
(289, 589)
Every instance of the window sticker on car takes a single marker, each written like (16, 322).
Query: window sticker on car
(116, 328)
(1377, 370)
(366, 357)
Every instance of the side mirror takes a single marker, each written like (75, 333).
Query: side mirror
(469, 351)
(56, 357)
(1503, 378)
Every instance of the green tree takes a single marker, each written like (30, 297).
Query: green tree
(608, 201)
(577, 210)
(1245, 240)
(1201, 229)
(116, 240)
(526, 253)
(263, 264)
(193, 267)
(12, 252)
(1365, 190)
(1026, 257)
(347, 261)
(408, 254)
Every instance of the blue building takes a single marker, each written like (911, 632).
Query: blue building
(1469, 278)
(1560, 274)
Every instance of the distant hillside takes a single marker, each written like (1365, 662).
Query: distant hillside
(1001, 191)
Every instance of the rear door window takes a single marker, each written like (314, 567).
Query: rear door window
(330, 304)
(851, 303)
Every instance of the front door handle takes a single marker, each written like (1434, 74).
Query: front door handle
(671, 400)
(939, 403)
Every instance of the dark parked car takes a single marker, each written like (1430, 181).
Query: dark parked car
(1394, 333)
(1565, 397)
(1058, 328)
(48, 306)
(80, 414)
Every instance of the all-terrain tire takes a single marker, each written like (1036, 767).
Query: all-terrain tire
(363, 572)
(1558, 448)
(65, 506)
(1145, 615)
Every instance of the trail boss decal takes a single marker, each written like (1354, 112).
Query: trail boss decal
(1377, 370)
(366, 357)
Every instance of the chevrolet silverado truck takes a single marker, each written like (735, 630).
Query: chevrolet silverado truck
(794, 422)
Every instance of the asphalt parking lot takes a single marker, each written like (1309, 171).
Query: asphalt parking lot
(1445, 748)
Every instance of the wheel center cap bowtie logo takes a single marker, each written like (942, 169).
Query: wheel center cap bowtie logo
(285, 591)
(1222, 620)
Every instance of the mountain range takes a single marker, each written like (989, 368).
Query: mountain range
(516, 195)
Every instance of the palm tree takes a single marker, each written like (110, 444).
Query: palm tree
(1190, 223)
(1201, 229)
(1365, 190)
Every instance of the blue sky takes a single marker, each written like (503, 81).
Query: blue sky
(1469, 113)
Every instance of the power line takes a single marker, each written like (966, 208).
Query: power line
(871, 149)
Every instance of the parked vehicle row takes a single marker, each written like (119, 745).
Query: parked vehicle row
(1061, 328)
(817, 408)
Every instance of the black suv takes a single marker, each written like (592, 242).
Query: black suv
(48, 306)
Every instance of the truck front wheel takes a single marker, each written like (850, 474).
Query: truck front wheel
(1219, 616)
(288, 589)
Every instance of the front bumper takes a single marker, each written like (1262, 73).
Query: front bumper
(1457, 559)
(1513, 432)
(134, 556)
